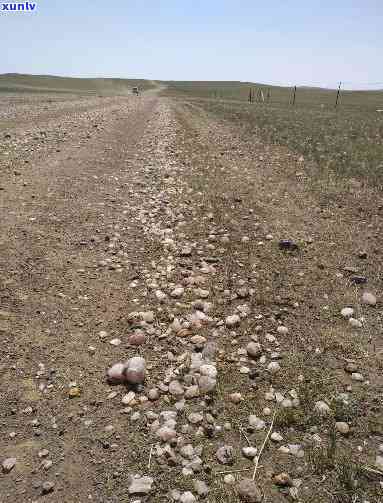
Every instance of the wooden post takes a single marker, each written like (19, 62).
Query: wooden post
(268, 95)
(250, 96)
(338, 95)
(294, 95)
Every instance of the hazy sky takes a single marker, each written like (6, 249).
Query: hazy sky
(276, 41)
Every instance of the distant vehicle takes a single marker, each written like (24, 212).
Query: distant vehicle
(135, 91)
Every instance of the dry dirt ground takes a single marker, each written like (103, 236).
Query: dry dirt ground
(114, 206)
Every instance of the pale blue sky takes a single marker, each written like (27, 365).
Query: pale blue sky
(276, 41)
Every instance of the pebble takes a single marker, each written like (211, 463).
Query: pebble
(273, 367)
(195, 418)
(283, 480)
(369, 299)
(282, 330)
(322, 408)
(142, 485)
(355, 323)
(9, 464)
(233, 321)
(48, 487)
(254, 349)
(206, 384)
(355, 376)
(249, 492)
(135, 370)
(137, 338)
(235, 397)
(153, 394)
(116, 373)
(342, 427)
(346, 312)
(129, 398)
(177, 292)
(249, 452)
(276, 437)
(201, 488)
(187, 497)
(229, 479)
(379, 462)
(175, 388)
(225, 454)
(115, 342)
(256, 423)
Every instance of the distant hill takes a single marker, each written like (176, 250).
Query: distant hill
(19, 83)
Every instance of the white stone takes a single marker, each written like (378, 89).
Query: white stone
(249, 452)
(282, 330)
(355, 323)
(142, 485)
(369, 299)
(273, 367)
(256, 423)
(276, 437)
(322, 408)
(232, 321)
(342, 427)
(346, 312)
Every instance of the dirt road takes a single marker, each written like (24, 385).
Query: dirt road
(114, 206)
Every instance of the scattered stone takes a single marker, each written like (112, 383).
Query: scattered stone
(233, 321)
(273, 367)
(201, 488)
(254, 349)
(355, 323)
(351, 367)
(229, 479)
(74, 392)
(249, 452)
(225, 454)
(138, 338)
(283, 480)
(129, 398)
(175, 388)
(115, 342)
(142, 485)
(235, 397)
(276, 437)
(342, 427)
(206, 384)
(177, 292)
(322, 408)
(355, 376)
(249, 492)
(379, 462)
(346, 312)
(135, 370)
(282, 330)
(188, 497)
(369, 299)
(9, 464)
(48, 487)
(256, 423)
(148, 317)
(115, 374)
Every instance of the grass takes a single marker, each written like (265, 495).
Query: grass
(345, 142)
(18, 83)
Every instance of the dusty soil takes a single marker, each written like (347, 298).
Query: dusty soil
(99, 196)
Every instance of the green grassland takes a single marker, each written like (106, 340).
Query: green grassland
(305, 96)
(18, 83)
(346, 141)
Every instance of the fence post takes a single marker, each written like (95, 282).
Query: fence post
(294, 95)
(338, 95)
